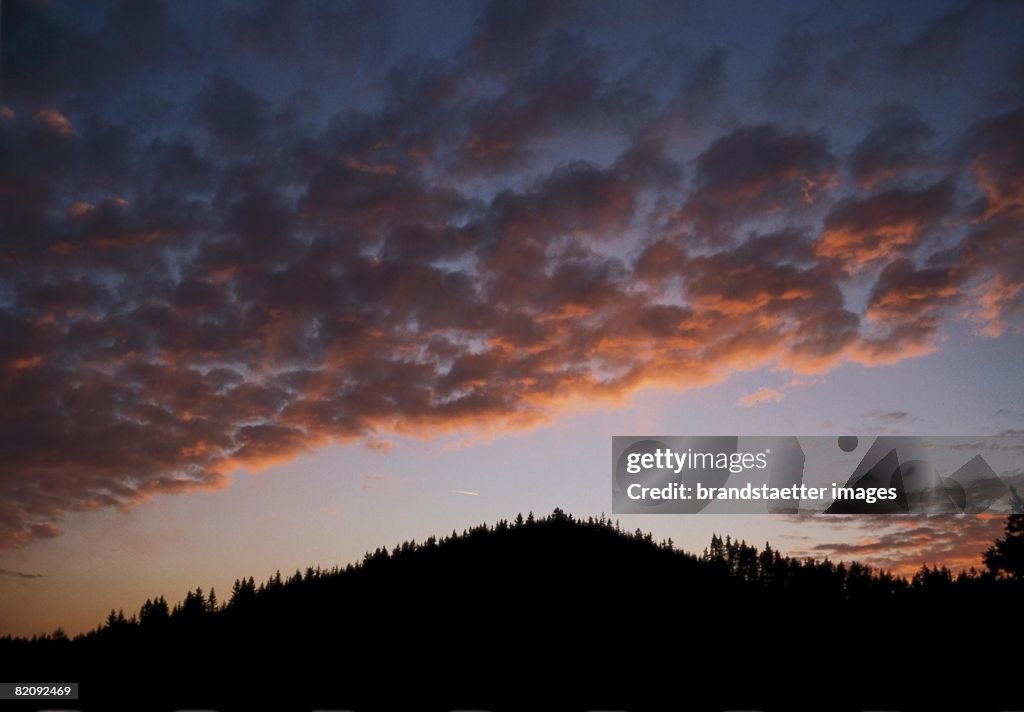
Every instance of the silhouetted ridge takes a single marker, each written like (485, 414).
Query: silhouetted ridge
(560, 607)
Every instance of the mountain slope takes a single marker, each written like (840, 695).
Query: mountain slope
(551, 614)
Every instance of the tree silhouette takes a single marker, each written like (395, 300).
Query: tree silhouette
(193, 607)
(1006, 556)
(486, 600)
(155, 612)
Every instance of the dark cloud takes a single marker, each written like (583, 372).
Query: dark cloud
(704, 86)
(334, 34)
(506, 29)
(792, 69)
(569, 87)
(862, 230)
(19, 574)
(48, 52)
(856, 56)
(992, 256)
(910, 301)
(281, 259)
(893, 147)
(756, 171)
(232, 112)
(111, 47)
(994, 151)
(937, 47)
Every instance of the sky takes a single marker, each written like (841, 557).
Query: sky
(282, 282)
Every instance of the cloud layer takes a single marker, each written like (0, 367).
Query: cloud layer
(201, 272)
(902, 544)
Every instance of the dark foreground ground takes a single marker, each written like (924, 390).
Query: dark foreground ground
(555, 614)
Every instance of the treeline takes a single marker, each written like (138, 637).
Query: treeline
(556, 612)
(765, 568)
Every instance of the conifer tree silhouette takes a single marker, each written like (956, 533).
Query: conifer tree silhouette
(1006, 556)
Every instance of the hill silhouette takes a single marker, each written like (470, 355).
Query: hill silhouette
(554, 613)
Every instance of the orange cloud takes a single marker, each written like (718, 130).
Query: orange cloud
(993, 299)
(761, 395)
(53, 120)
(903, 544)
(235, 311)
(859, 231)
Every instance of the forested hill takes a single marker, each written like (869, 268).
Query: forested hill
(571, 613)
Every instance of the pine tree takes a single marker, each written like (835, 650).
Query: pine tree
(1006, 556)
(154, 612)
